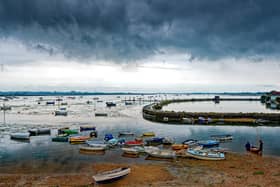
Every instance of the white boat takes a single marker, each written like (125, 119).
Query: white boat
(111, 175)
(205, 155)
(96, 144)
(222, 137)
(90, 148)
(126, 133)
(20, 136)
(162, 154)
(133, 150)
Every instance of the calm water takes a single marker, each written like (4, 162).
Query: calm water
(26, 114)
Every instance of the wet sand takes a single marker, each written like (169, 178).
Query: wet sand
(236, 170)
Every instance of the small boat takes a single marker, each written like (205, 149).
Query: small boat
(91, 148)
(179, 146)
(148, 134)
(167, 154)
(190, 142)
(167, 141)
(222, 137)
(60, 138)
(110, 104)
(128, 103)
(60, 113)
(41, 131)
(50, 103)
(61, 130)
(70, 131)
(96, 143)
(154, 141)
(100, 114)
(87, 128)
(109, 176)
(78, 139)
(131, 150)
(205, 155)
(126, 133)
(108, 137)
(20, 136)
(134, 143)
(209, 143)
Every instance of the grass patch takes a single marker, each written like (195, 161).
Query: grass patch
(258, 173)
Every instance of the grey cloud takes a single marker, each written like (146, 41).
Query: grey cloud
(126, 30)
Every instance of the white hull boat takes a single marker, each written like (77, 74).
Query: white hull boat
(112, 175)
(205, 155)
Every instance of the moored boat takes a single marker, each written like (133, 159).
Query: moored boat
(70, 131)
(126, 133)
(110, 104)
(131, 150)
(87, 128)
(60, 138)
(61, 130)
(205, 155)
(209, 143)
(40, 131)
(91, 148)
(222, 137)
(96, 143)
(20, 136)
(78, 139)
(134, 143)
(112, 175)
(148, 134)
(154, 141)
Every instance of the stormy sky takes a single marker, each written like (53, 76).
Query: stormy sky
(147, 45)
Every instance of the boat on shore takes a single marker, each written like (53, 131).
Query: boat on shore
(154, 141)
(70, 131)
(61, 130)
(177, 147)
(167, 154)
(60, 113)
(110, 176)
(205, 155)
(20, 136)
(94, 143)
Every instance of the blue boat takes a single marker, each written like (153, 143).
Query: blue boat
(155, 140)
(209, 143)
(87, 128)
(108, 137)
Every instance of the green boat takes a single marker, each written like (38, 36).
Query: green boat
(70, 131)
(60, 139)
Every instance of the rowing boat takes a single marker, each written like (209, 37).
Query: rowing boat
(109, 176)
(205, 155)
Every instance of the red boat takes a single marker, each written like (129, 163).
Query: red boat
(134, 143)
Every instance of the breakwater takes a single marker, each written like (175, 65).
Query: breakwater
(154, 112)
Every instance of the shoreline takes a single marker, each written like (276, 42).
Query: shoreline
(239, 169)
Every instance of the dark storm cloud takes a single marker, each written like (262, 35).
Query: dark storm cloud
(129, 30)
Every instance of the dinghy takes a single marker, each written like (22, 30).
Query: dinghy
(126, 133)
(148, 134)
(96, 143)
(222, 137)
(78, 139)
(20, 136)
(41, 131)
(179, 146)
(205, 155)
(209, 143)
(109, 176)
(90, 148)
(154, 141)
(87, 128)
(60, 138)
(167, 154)
(70, 131)
(134, 143)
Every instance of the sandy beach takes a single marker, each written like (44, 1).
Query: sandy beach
(236, 170)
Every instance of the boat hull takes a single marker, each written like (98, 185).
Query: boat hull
(110, 176)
